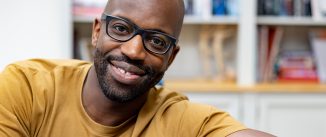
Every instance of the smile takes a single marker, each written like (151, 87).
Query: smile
(124, 73)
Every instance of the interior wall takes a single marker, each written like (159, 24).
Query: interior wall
(34, 29)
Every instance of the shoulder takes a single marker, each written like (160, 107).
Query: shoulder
(198, 119)
(39, 70)
(175, 102)
(24, 78)
(47, 65)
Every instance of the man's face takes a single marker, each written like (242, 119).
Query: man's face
(126, 70)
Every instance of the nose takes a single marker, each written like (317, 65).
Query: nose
(134, 48)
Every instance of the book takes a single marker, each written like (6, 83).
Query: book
(318, 9)
(298, 7)
(262, 51)
(318, 42)
(189, 7)
(297, 66)
(208, 8)
(260, 6)
(274, 44)
(277, 7)
(219, 7)
(203, 9)
(307, 8)
(322, 4)
(302, 7)
(232, 7)
(269, 45)
(297, 75)
(296, 59)
(287, 8)
(284, 7)
(268, 7)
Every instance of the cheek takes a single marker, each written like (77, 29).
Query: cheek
(106, 45)
(158, 63)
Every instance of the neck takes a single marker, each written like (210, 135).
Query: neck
(103, 110)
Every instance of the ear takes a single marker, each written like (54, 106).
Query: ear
(96, 31)
(173, 54)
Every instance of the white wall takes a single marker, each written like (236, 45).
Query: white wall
(34, 29)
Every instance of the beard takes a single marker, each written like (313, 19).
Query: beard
(119, 92)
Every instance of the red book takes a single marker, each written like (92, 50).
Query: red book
(298, 75)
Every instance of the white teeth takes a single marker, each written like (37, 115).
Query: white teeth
(128, 73)
(122, 71)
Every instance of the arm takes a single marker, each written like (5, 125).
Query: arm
(250, 133)
(14, 103)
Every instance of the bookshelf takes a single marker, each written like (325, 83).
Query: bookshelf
(260, 105)
(290, 21)
(222, 20)
(204, 86)
(188, 20)
(246, 24)
(296, 21)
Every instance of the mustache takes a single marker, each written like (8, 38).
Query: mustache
(138, 63)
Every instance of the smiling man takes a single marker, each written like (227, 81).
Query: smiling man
(135, 42)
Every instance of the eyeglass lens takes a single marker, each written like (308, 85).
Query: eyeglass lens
(123, 31)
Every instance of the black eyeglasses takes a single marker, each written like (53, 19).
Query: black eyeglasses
(123, 30)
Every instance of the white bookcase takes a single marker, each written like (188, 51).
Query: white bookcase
(33, 30)
(282, 114)
(284, 110)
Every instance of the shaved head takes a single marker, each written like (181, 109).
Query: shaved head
(168, 10)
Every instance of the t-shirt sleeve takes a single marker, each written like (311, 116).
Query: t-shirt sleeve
(15, 102)
(208, 121)
(219, 124)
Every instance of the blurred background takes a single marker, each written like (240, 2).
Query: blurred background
(263, 61)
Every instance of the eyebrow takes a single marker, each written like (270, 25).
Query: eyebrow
(158, 30)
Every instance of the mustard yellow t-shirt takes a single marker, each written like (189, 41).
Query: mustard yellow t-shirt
(42, 98)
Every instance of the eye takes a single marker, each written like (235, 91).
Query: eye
(119, 28)
(157, 42)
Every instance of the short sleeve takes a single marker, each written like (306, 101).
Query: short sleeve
(207, 121)
(219, 124)
(15, 102)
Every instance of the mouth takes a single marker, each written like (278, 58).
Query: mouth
(126, 73)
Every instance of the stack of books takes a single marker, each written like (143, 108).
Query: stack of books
(297, 66)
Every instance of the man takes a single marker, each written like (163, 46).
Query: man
(135, 41)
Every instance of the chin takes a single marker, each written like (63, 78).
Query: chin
(122, 93)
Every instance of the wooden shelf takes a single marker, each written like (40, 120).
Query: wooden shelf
(227, 20)
(191, 20)
(289, 21)
(215, 86)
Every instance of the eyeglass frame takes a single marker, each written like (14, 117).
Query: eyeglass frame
(138, 31)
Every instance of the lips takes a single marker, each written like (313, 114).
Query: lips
(126, 73)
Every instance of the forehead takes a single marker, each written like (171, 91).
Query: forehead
(149, 14)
